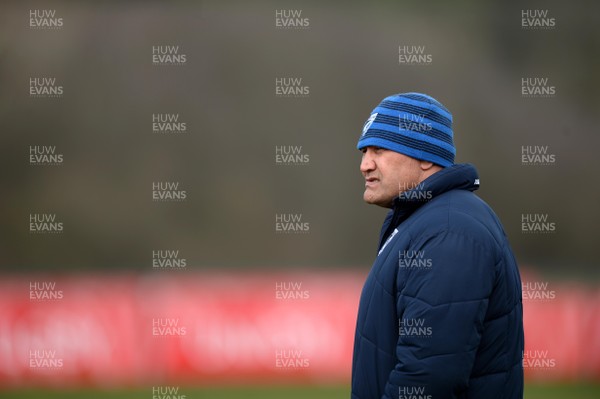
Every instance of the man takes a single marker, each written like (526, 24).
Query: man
(440, 313)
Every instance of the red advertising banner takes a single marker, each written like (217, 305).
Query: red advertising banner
(262, 327)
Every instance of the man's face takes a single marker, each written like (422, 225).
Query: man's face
(387, 173)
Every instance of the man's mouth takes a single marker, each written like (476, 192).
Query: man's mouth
(371, 181)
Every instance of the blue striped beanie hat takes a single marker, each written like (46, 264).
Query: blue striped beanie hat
(412, 124)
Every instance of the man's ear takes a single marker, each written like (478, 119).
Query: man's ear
(426, 165)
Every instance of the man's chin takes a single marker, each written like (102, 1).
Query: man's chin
(371, 198)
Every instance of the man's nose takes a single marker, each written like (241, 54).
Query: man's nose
(367, 164)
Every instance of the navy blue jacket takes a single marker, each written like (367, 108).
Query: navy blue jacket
(441, 313)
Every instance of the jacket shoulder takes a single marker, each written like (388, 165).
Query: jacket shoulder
(458, 212)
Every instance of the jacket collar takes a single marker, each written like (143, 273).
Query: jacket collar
(455, 177)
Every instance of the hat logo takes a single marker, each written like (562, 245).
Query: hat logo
(368, 123)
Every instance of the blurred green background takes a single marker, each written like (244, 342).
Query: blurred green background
(348, 57)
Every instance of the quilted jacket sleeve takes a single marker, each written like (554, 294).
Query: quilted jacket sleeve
(443, 286)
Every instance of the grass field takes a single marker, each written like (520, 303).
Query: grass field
(532, 391)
